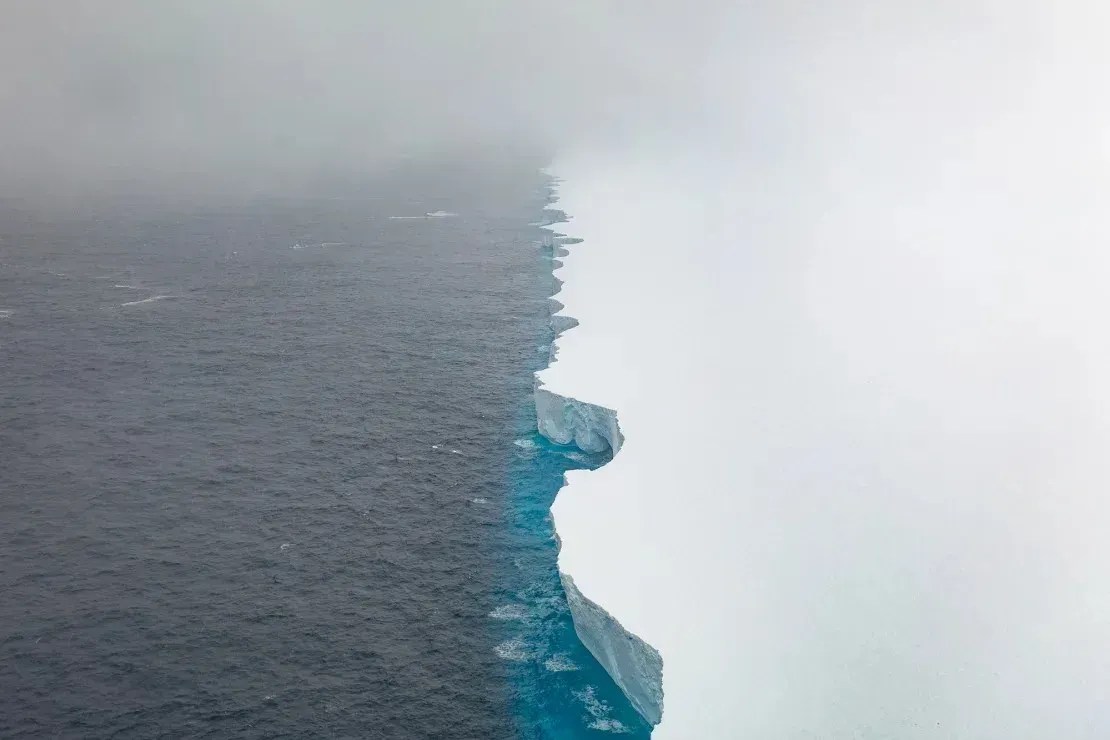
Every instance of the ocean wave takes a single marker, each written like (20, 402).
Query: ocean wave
(152, 299)
(319, 245)
(429, 214)
(6, 313)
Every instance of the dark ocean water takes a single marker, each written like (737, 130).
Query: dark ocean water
(269, 470)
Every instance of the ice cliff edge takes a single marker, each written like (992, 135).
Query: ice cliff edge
(568, 421)
(635, 666)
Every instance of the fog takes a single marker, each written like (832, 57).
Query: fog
(93, 93)
(853, 327)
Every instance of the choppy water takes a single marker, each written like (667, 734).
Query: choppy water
(258, 475)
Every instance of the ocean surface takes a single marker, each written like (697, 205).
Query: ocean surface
(268, 468)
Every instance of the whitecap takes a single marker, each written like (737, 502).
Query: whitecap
(479, 501)
(509, 611)
(609, 725)
(285, 545)
(435, 447)
(456, 452)
(599, 710)
(125, 286)
(559, 664)
(6, 313)
(515, 650)
(152, 299)
(429, 214)
(525, 443)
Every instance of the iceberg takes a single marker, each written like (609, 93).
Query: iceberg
(855, 336)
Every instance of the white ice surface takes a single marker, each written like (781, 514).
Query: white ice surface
(856, 341)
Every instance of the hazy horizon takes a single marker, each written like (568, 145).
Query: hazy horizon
(244, 93)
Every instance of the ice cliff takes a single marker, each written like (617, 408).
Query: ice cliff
(635, 666)
(568, 421)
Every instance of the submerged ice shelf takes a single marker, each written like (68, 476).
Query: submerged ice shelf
(635, 666)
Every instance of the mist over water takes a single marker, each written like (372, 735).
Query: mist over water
(209, 94)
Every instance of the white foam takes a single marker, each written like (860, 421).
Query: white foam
(124, 286)
(285, 546)
(480, 501)
(456, 452)
(560, 664)
(425, 217)
(515, 650)
(525, 443)
(599, 711)
(6, 313)
(609, 725)
(510, 612)
(152, 299)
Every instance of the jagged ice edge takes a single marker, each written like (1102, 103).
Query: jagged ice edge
(635, 666)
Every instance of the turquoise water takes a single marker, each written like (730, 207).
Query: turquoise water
(559, 689)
